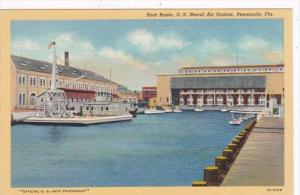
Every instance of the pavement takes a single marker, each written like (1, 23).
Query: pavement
(21, 115)
(261, 160)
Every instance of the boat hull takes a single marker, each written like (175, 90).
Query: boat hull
(78, 120)
(154, 111)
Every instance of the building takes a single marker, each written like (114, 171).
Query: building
(30, 77)
(152, 102)
(148, 93)
(251, 85)
(127, 95)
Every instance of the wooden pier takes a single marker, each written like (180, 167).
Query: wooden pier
(260, 161)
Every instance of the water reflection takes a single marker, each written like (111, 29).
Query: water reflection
(56, 133)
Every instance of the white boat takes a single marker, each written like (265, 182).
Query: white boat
(235, 122)
(168, 110)
(241, 118)
(198, 109)
(154, 111)
(177, 110)
(224, 110)
(78, 120)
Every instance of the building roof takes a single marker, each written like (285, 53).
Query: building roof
(123, 89)
(149, 88)
(46, 67)
(232, 66)
(218, 82)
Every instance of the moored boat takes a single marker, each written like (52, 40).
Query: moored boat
(235, 122)
(168, 110)
(224, 110)
(177, 110)
(198, 109)
(78, 120)
(154, 111)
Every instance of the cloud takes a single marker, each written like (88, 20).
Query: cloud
(65, 38)
(215, 52)
(274, 56)
(147, 42)
(253, 43)
(184, 62)
(26, 44)
(82, 52)
(262, 48)
(122, 57)
(214, 45)
(70, 41)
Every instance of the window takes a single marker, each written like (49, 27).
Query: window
(32, 81)
(22, 99)
(21, 80)
(43, 82)
(86, 86)
(106, 108)
(32, 99)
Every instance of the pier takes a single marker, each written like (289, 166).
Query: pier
(260, 161)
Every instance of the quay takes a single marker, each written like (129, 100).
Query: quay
(260, 161)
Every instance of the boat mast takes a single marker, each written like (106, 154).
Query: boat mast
(53, 77)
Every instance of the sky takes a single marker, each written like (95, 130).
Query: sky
(138, 50)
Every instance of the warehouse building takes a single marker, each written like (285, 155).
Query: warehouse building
(251, 85)
(31, 77)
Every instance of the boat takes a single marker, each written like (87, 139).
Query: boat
(224, 110)
(235, 121)
(177, 110)
(54, 108)
(168, 110)
(198, 109)
(140, 110)
(154, 111)
(78, 120)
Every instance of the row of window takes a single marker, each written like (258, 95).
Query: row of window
(33, 81)
(221, 91)
(102, 108)
(22, 99)
(209, 100)
(231, 70)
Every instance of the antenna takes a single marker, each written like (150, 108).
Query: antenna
(109, 72)
(237, 57)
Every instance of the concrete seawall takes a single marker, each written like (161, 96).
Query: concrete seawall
(260, 161)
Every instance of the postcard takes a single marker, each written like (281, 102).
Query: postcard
(195, 101)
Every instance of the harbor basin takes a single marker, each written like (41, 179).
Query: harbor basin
(151, 150)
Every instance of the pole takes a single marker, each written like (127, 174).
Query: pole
(53, 77)
(237, 57)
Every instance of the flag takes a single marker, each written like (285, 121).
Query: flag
(50, 44)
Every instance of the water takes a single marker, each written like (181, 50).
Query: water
(152, 150)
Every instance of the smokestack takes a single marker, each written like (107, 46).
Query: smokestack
(66, 58)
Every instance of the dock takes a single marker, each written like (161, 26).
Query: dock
(261, 160)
